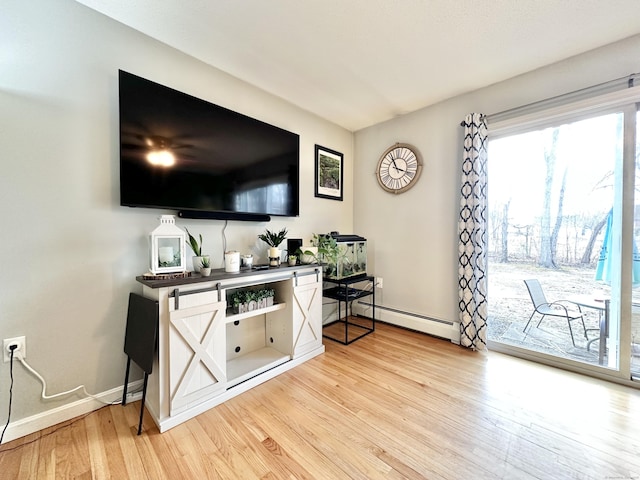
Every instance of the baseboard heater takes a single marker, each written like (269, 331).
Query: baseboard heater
(415, 321)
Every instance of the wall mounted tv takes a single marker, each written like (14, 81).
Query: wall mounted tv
(178, 152)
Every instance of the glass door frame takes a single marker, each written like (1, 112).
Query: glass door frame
(626, 102)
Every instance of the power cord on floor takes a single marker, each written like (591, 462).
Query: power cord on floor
(49, 397)
(45, 396)
(12, 348)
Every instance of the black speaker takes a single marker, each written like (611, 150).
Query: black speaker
(293, 244)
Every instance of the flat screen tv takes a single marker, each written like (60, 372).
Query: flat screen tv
(182, 153)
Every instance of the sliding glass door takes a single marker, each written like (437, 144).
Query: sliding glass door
(562, 226)
(634, 350)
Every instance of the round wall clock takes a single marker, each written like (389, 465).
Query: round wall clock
(399, 168)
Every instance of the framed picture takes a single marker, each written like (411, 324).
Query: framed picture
(329, 173)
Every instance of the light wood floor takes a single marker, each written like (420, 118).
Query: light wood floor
(395, 404)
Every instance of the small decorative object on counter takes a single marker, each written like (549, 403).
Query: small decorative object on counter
(167, 252)
(246, 261)
(231, 261)
(205, 269)
(273, 240)
(308, 254)
(243, 301)
(293, 260)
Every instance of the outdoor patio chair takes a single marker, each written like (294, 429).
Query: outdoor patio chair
(561, 308)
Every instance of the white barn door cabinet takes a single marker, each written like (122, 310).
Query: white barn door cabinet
(207, 354)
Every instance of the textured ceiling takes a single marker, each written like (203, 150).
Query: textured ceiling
(361, 62)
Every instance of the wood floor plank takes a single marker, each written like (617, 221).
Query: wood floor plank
(131, 458)
(98, 445)
(267, 448)
(299, 441)
(393, 405)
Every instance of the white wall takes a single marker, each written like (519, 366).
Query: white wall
(70, 253)
(413, 236)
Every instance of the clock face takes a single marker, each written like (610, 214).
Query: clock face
(399, 168)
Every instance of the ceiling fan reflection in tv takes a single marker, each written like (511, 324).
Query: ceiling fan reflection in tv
(178, 152)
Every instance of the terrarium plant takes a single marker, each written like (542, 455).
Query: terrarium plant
(329, 253)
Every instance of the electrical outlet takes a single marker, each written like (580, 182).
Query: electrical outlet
(21, 342)
(379, 282)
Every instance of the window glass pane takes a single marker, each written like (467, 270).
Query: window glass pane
(550, 195)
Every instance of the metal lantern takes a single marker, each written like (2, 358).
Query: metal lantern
(167, 252)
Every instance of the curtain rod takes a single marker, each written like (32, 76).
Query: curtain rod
(608, 86)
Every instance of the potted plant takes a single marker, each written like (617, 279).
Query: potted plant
(293, 259)
(261, 296)
(238, 301)
(197, 251)
(274, 240)
(307, 254)
(269, 294)
(252, 300)
(205, 270)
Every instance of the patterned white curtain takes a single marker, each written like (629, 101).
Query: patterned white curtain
(472, 230)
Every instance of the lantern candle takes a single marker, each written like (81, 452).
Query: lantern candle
(165, 254)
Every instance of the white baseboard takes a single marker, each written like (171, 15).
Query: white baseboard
(34, 423)
(421, 323)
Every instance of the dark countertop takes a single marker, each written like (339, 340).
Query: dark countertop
(219, 274)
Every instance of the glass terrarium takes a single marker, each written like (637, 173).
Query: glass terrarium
(346, 256)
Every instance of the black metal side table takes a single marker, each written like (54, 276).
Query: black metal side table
(346, 290)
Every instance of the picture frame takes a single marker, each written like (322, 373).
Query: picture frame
(329, 173)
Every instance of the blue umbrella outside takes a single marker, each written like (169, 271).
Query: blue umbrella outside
(604, 267)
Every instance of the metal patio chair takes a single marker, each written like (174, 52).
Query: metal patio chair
(561, 308)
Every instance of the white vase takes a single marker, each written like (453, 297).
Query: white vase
(274, 256)
(308, 258)
(197, 262)
(205, 271)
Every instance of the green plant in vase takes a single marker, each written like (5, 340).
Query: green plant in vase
(205, 269)
(273, 240)
(270, 295)
(196, 248)
(237, 300)
(252, 299)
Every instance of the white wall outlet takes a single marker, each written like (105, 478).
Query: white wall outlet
(21, 342)
(379, 282)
